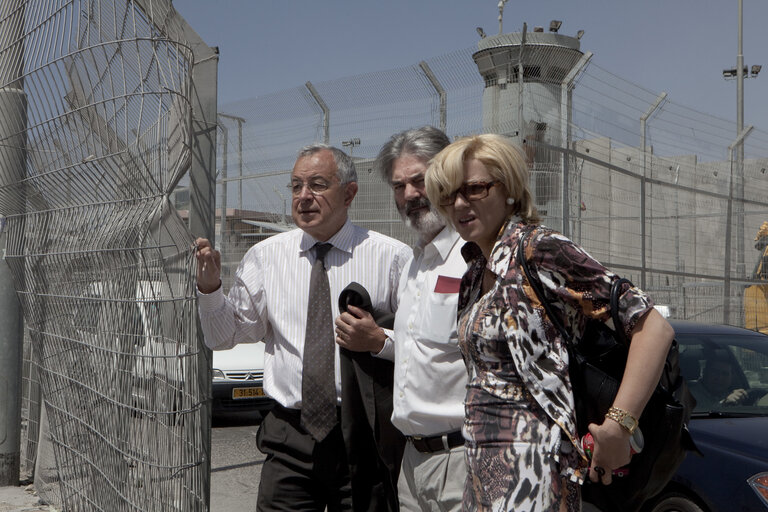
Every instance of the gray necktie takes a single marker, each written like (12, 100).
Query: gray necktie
(318, 384)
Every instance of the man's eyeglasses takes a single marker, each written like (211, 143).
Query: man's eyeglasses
(316, 186)
(469, 191)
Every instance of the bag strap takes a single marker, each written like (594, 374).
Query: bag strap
(539, 290)
(536, 285)
(615, 293)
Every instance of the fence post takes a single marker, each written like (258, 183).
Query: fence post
(12, 169)
(326, 113)
(440, 92)
(202, 212)
(643, 218)
(520, 83)
(240, 122)
(728, 220)
(565, 136)
(224, 185)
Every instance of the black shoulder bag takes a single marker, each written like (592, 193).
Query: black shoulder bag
(596, 367)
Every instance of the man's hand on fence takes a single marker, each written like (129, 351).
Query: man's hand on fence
(208, 266)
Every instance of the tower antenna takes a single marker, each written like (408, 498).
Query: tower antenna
(501, 14)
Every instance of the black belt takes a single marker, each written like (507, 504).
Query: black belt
(437, 443)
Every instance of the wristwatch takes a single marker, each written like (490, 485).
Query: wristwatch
(623, 418)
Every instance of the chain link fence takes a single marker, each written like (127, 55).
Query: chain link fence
(101, 257)
(96, 132)
(641, 181)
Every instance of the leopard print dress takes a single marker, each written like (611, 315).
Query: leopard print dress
(522, 448)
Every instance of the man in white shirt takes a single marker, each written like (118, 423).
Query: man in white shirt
(269, 301)
(430, 376)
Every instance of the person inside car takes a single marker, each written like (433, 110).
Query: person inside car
(716, 385)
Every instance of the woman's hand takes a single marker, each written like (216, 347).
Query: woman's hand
(611, 450)
(651, 339)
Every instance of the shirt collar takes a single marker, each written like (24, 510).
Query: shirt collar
(342, 239)
(441, 244)
(501, 252)
(444, 241)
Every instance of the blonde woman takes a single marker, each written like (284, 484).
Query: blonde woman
(523, 452)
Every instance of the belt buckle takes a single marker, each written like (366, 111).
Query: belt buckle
(444, 438)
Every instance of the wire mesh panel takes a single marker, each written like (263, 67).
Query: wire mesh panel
(103, 263)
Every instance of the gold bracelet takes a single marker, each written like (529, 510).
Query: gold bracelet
(623, 418)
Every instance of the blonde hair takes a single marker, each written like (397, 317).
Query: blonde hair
(504, 161)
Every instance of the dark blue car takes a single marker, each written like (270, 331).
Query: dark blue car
(727, 370)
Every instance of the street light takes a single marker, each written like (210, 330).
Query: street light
(351, 143)
(733, 73)
(739, 73)
(554, 25)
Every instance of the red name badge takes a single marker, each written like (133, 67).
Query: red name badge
(447, 284)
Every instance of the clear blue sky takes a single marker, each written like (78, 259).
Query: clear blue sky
(677, 46)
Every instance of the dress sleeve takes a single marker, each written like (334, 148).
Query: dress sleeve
(581, 285)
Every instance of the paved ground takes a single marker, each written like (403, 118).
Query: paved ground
(21, 499)
(235, 471)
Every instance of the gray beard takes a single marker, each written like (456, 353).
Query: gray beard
(427, 225)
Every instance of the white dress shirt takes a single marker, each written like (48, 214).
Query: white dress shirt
(430, 376)
(269, 296)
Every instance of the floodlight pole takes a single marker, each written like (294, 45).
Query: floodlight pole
(728, 232)
(740, 267)
(13, 103)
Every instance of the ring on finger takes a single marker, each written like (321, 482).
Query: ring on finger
(600, 471)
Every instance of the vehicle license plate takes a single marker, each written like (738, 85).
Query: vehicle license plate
(247, 392)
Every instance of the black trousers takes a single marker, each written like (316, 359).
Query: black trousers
(300, 474)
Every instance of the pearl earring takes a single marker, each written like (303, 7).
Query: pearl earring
(510, 201)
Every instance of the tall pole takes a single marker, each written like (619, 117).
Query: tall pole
(12, 171)
(740, 268)
(740, 78)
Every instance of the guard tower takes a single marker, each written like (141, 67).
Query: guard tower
(524, 107)
(527, 97)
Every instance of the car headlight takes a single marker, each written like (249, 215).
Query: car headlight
(759, 484)
(218, 374)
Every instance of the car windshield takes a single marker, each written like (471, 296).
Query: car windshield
(727, 373)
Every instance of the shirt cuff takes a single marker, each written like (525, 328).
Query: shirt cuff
(210, 302)
(388, 350)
